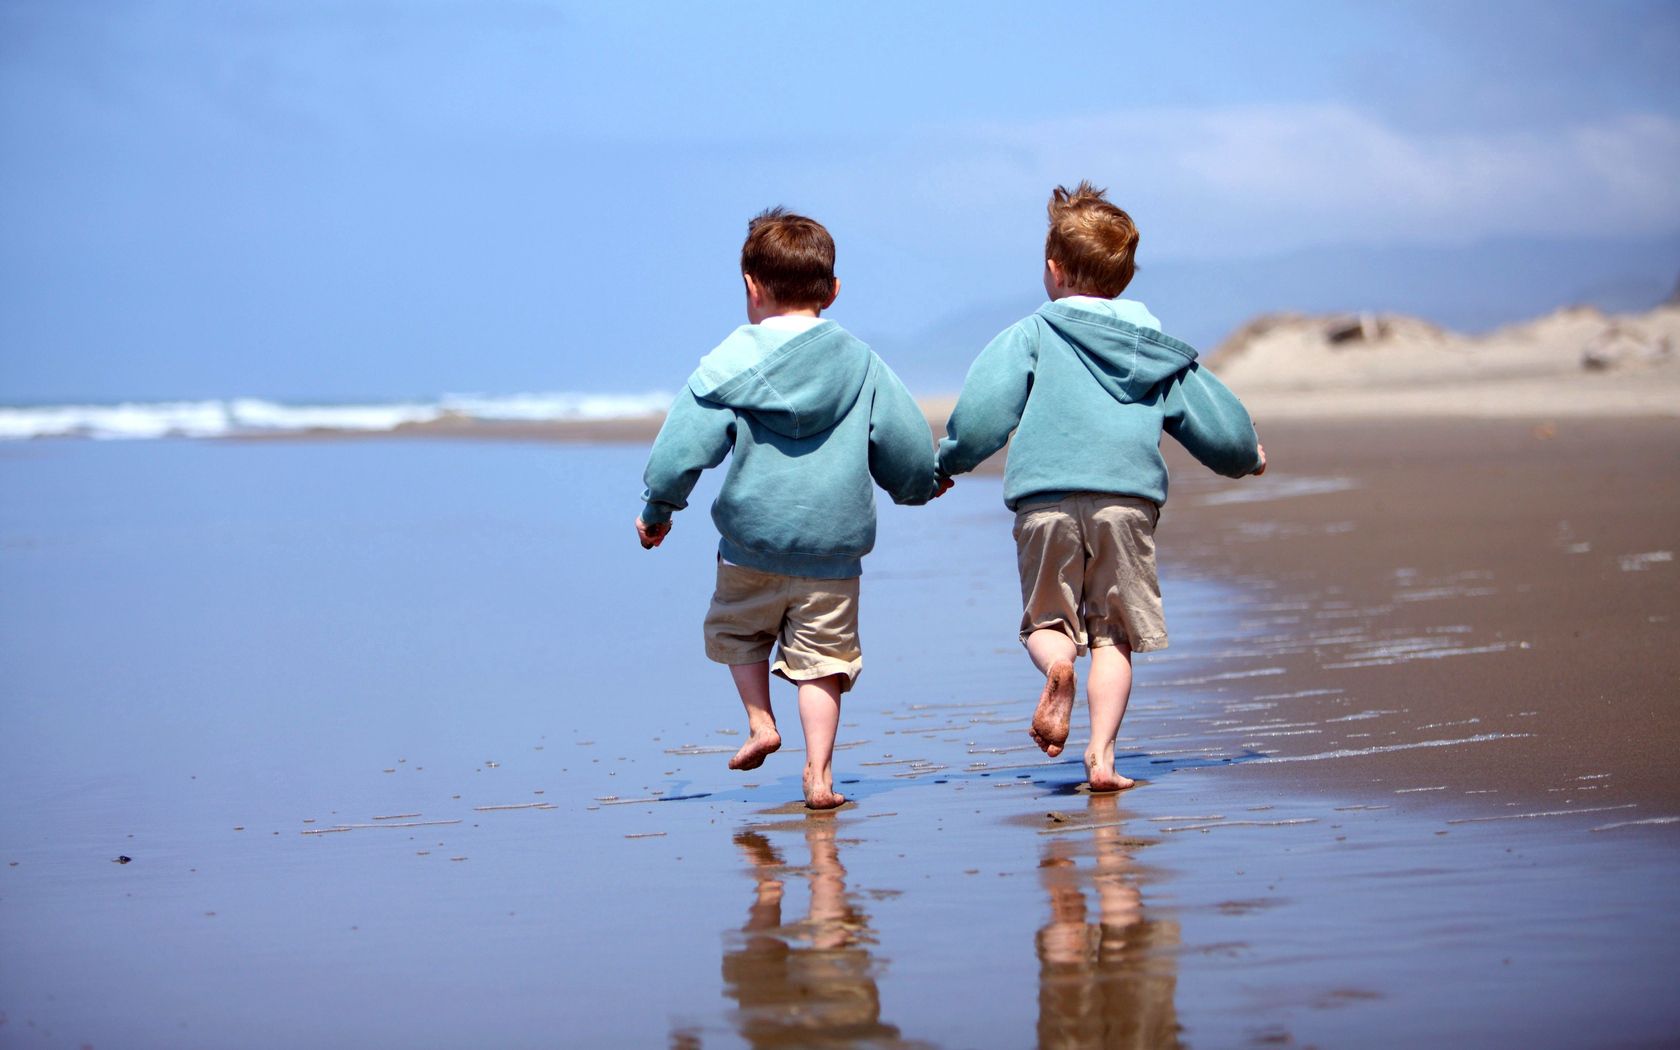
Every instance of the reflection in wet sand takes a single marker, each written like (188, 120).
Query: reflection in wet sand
(810, 983)
(1108, 983)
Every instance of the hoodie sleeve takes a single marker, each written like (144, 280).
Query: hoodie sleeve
(993, 397)
(696, 436)
(1208, 420)
(900, 442)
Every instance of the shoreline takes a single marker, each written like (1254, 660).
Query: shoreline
(1651, 397)
(1479, 558)
(1629, 394)
(1482, 607)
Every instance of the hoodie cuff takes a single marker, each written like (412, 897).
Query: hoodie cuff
(655, 514)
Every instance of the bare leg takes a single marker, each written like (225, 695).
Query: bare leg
(1118, 900)
(833, 922)
(766, 911)
(819, 716)
(1062, 939)
(752, 681)
(1108, 689)
(1053, 653)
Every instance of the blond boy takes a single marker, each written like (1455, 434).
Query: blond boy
(1087, 384)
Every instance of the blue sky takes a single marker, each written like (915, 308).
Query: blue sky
(334, 201)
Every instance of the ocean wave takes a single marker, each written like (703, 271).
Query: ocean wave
(236, 417)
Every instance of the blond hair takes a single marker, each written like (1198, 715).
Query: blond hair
(1092, 241)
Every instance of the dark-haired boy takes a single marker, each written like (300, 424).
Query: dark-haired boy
(814, 420)
(1087, 384)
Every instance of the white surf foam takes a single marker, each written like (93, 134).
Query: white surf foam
(1542, 813)
(1263, 489)
(245, 416)
(248, 414)
(1637, 823)
(1385, 748)
(124, 421)
(550, 407)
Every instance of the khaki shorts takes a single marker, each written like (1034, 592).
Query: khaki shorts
(814, 621)
(1088, 570)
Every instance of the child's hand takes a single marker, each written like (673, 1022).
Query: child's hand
(945, 485)
(1261, 469)
(651, 535)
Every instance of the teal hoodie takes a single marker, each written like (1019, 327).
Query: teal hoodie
(811, 418)
(1087, 386)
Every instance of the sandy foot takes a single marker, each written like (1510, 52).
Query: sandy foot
(1055, 707)
(1099, 771)
(819, 790)
(758, 747)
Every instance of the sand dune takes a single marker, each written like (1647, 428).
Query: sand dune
(1575, 361)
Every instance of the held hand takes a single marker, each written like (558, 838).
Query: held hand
(1261, 469)
(651, 535)
(945, 485)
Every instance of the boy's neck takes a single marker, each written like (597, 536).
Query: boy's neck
(761, 304)
(1057, 288)
(1058, 291)
(757, 314)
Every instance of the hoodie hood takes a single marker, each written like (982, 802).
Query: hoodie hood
(1119, 341)
(796, 383)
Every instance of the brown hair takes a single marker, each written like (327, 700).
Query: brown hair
(1091, 240)
(791, 257)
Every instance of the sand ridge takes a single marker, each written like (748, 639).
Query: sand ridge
(1576, 361)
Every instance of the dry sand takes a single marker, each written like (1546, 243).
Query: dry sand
(1575, 362)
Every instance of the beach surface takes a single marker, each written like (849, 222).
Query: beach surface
(1464, 578)
(338, 743)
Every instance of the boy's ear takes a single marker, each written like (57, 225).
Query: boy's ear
(832, 295)
(755, 291)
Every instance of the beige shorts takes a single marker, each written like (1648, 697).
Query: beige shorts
(814, 621)
(1088, 570)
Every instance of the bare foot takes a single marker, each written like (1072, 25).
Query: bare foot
(758, 849)
(819, 790)
(759, 746)
(1055, 707)
(1099, 770)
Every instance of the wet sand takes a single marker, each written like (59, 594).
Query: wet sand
(1462, 578)
(409, 742)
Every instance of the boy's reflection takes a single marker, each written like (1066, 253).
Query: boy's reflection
(1108, 983)
(811, 983)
